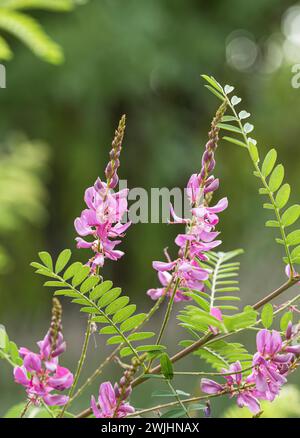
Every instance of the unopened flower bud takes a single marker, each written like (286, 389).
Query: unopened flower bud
(289, 330)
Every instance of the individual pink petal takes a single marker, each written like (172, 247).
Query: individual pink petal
(213, 186)
(155, 294)
(245, 399)
(55, 400)
(214, 311)
(176, 218)
(210, 386)
(164, 266)
(61, 380)
(32, 362)
(220, 206)
(107, 399)
(95, 408)
(262, 338)
(20, 376)
(164, 277)
(81, 243)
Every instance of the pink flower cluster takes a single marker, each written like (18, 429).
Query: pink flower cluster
(271, 364)
(102, 221)
(40, 373)
(199, 238)
(111, 403)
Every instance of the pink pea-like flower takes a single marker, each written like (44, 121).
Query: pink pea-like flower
(40, 373)
(109, 405)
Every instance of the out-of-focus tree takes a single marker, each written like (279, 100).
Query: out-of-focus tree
(28, 30)
(23, 166)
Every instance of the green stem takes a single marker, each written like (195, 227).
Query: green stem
(51, 413)
(214, 281)
(175, 403)
(79, 366)
(23, 413)
(168, 312)
(204, 373)
(174, 392)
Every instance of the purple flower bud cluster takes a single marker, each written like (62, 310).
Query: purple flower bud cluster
(271, 364)
(208, 159)
(114, 163)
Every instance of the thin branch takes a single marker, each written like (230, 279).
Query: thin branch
(79, 366)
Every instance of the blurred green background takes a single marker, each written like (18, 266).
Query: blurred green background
(143, 58)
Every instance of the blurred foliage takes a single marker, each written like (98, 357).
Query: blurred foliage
(28, 30)
(286, 405)
(23, 165)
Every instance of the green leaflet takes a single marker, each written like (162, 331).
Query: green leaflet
(293, 238)
(291, 215)
(8, 349)
(283, 195)
(241, 320)
(109, 297)
(235, 141)
(267, 315)
(124, 313)
(89, 284)
(166, 366)
(269, 163)
(276, 178)
(62, 260)
(132, 322)
(80, 275)
(220, 354)
(285, 319)
(46, 259)
(101, 289)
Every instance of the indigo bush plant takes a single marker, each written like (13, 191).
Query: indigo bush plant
(200, 276)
